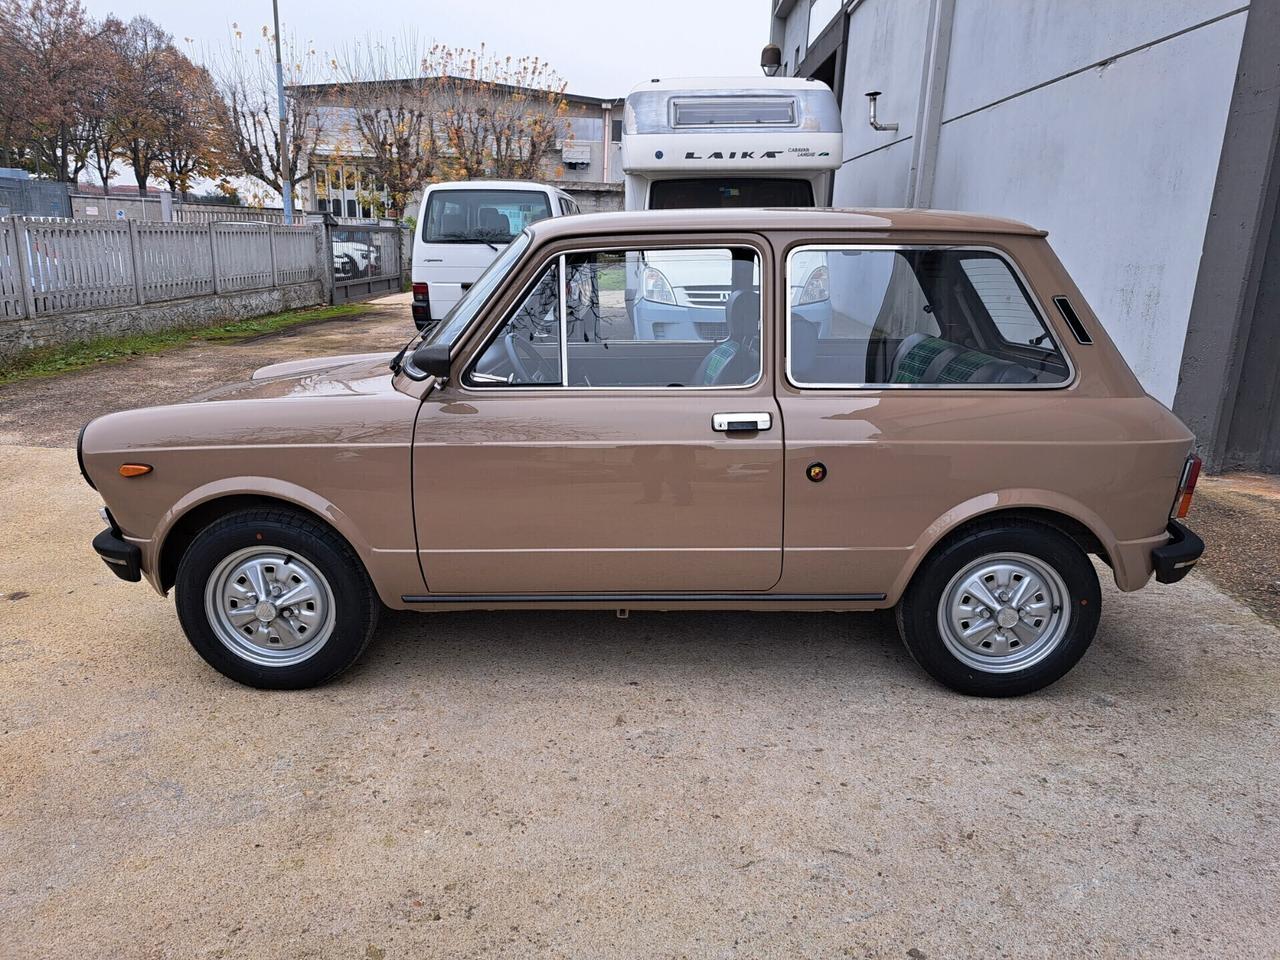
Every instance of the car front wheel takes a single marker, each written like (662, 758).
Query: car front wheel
(273, 599)
(1002, 610)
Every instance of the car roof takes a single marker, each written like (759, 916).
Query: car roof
(799, 218)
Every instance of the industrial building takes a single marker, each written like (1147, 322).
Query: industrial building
(1142, 135)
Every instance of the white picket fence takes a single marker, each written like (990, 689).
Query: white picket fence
(49, 267)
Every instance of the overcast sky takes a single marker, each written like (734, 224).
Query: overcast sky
(601, 47)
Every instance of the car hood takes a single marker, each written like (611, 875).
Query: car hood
(358, 374)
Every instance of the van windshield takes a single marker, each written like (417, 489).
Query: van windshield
(703, 192)
(481, 216)
(447, 330)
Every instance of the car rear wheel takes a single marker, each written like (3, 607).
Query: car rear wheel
(273, 599)
(1001, 610)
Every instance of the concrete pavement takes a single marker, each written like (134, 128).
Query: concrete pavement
(573, 785)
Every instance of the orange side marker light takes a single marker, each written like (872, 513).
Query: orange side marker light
(134, 469)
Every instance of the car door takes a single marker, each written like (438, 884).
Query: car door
(567, 457)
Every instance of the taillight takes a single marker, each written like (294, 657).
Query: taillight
(419, 291)
(1186, 488)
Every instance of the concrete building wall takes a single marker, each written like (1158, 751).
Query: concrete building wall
(794, 36)
(886, 52)
(1100, 122)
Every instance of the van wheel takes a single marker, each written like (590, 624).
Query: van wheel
(273, 599)
(1002, 610)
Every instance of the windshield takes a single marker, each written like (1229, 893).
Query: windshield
(447, 330)
(481, 216)
(698, 194)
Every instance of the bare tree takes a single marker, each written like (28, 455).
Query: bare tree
(152, 66)
(413, 116)
(245, 77)
(101, 131)
(191, 141)
(385, 110)
(500, 117)
(50, 62)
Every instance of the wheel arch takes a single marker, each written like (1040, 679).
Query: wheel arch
(184, 521)
(1068, 517)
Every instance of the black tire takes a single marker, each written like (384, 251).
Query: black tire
(918, 611)
(355, 605)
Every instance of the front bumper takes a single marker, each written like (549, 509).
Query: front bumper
(124, 558)
(1174, 560)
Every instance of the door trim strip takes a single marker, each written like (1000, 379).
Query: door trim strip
(641, 597)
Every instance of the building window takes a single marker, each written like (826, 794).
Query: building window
(345, 190)
(821, 13)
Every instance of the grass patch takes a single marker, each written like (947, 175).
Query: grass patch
(51, 361)
(612, 279)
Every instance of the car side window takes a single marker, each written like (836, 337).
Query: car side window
(671, 318)
(525, 351)
(862, 316)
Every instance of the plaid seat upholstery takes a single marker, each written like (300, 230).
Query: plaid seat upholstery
(717, 360)
(913, 367)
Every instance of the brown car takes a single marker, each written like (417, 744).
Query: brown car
(729, 409)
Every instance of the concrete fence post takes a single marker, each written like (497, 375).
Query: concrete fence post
(135, 259)
(271, 242)
(213, 256)
(25, 278)
(324, 253)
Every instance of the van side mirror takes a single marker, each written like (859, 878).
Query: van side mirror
(432, 360)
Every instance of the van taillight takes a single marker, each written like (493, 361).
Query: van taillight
(1186, 487)
(419, 291)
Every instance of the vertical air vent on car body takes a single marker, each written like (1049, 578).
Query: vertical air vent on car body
(1069, 314)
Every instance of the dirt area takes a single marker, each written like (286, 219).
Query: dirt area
(50, 411)
(1238, 516)
(570, 784)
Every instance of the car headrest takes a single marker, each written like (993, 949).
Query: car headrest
(742, 313)
(491, 221)
(804, 347)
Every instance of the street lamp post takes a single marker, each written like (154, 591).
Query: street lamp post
(286, 184)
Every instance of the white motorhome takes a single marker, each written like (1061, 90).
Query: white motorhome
(719, 142)
(461, 228)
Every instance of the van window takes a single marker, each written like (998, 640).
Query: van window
(914, 317)
(700, 193)
(480, 216)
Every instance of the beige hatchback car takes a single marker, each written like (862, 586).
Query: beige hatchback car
(832, 410)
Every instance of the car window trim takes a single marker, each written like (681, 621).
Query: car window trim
(1028, 291)
(666, 241)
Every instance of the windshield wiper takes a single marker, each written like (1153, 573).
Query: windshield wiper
(489, 239)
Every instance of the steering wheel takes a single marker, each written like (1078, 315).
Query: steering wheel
(518, 350)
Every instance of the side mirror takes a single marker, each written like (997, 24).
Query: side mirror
(432, 360)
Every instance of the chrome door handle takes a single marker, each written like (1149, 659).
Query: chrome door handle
(735, 422)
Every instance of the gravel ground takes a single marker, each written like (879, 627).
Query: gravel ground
(1238, 516)
(50, 411)
(573, 785)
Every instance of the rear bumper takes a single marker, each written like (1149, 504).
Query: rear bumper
(124, 558)
(1174, 560)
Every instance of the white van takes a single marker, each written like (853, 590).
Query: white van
(462, 226)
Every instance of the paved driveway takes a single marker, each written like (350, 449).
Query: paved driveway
(573, 785)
